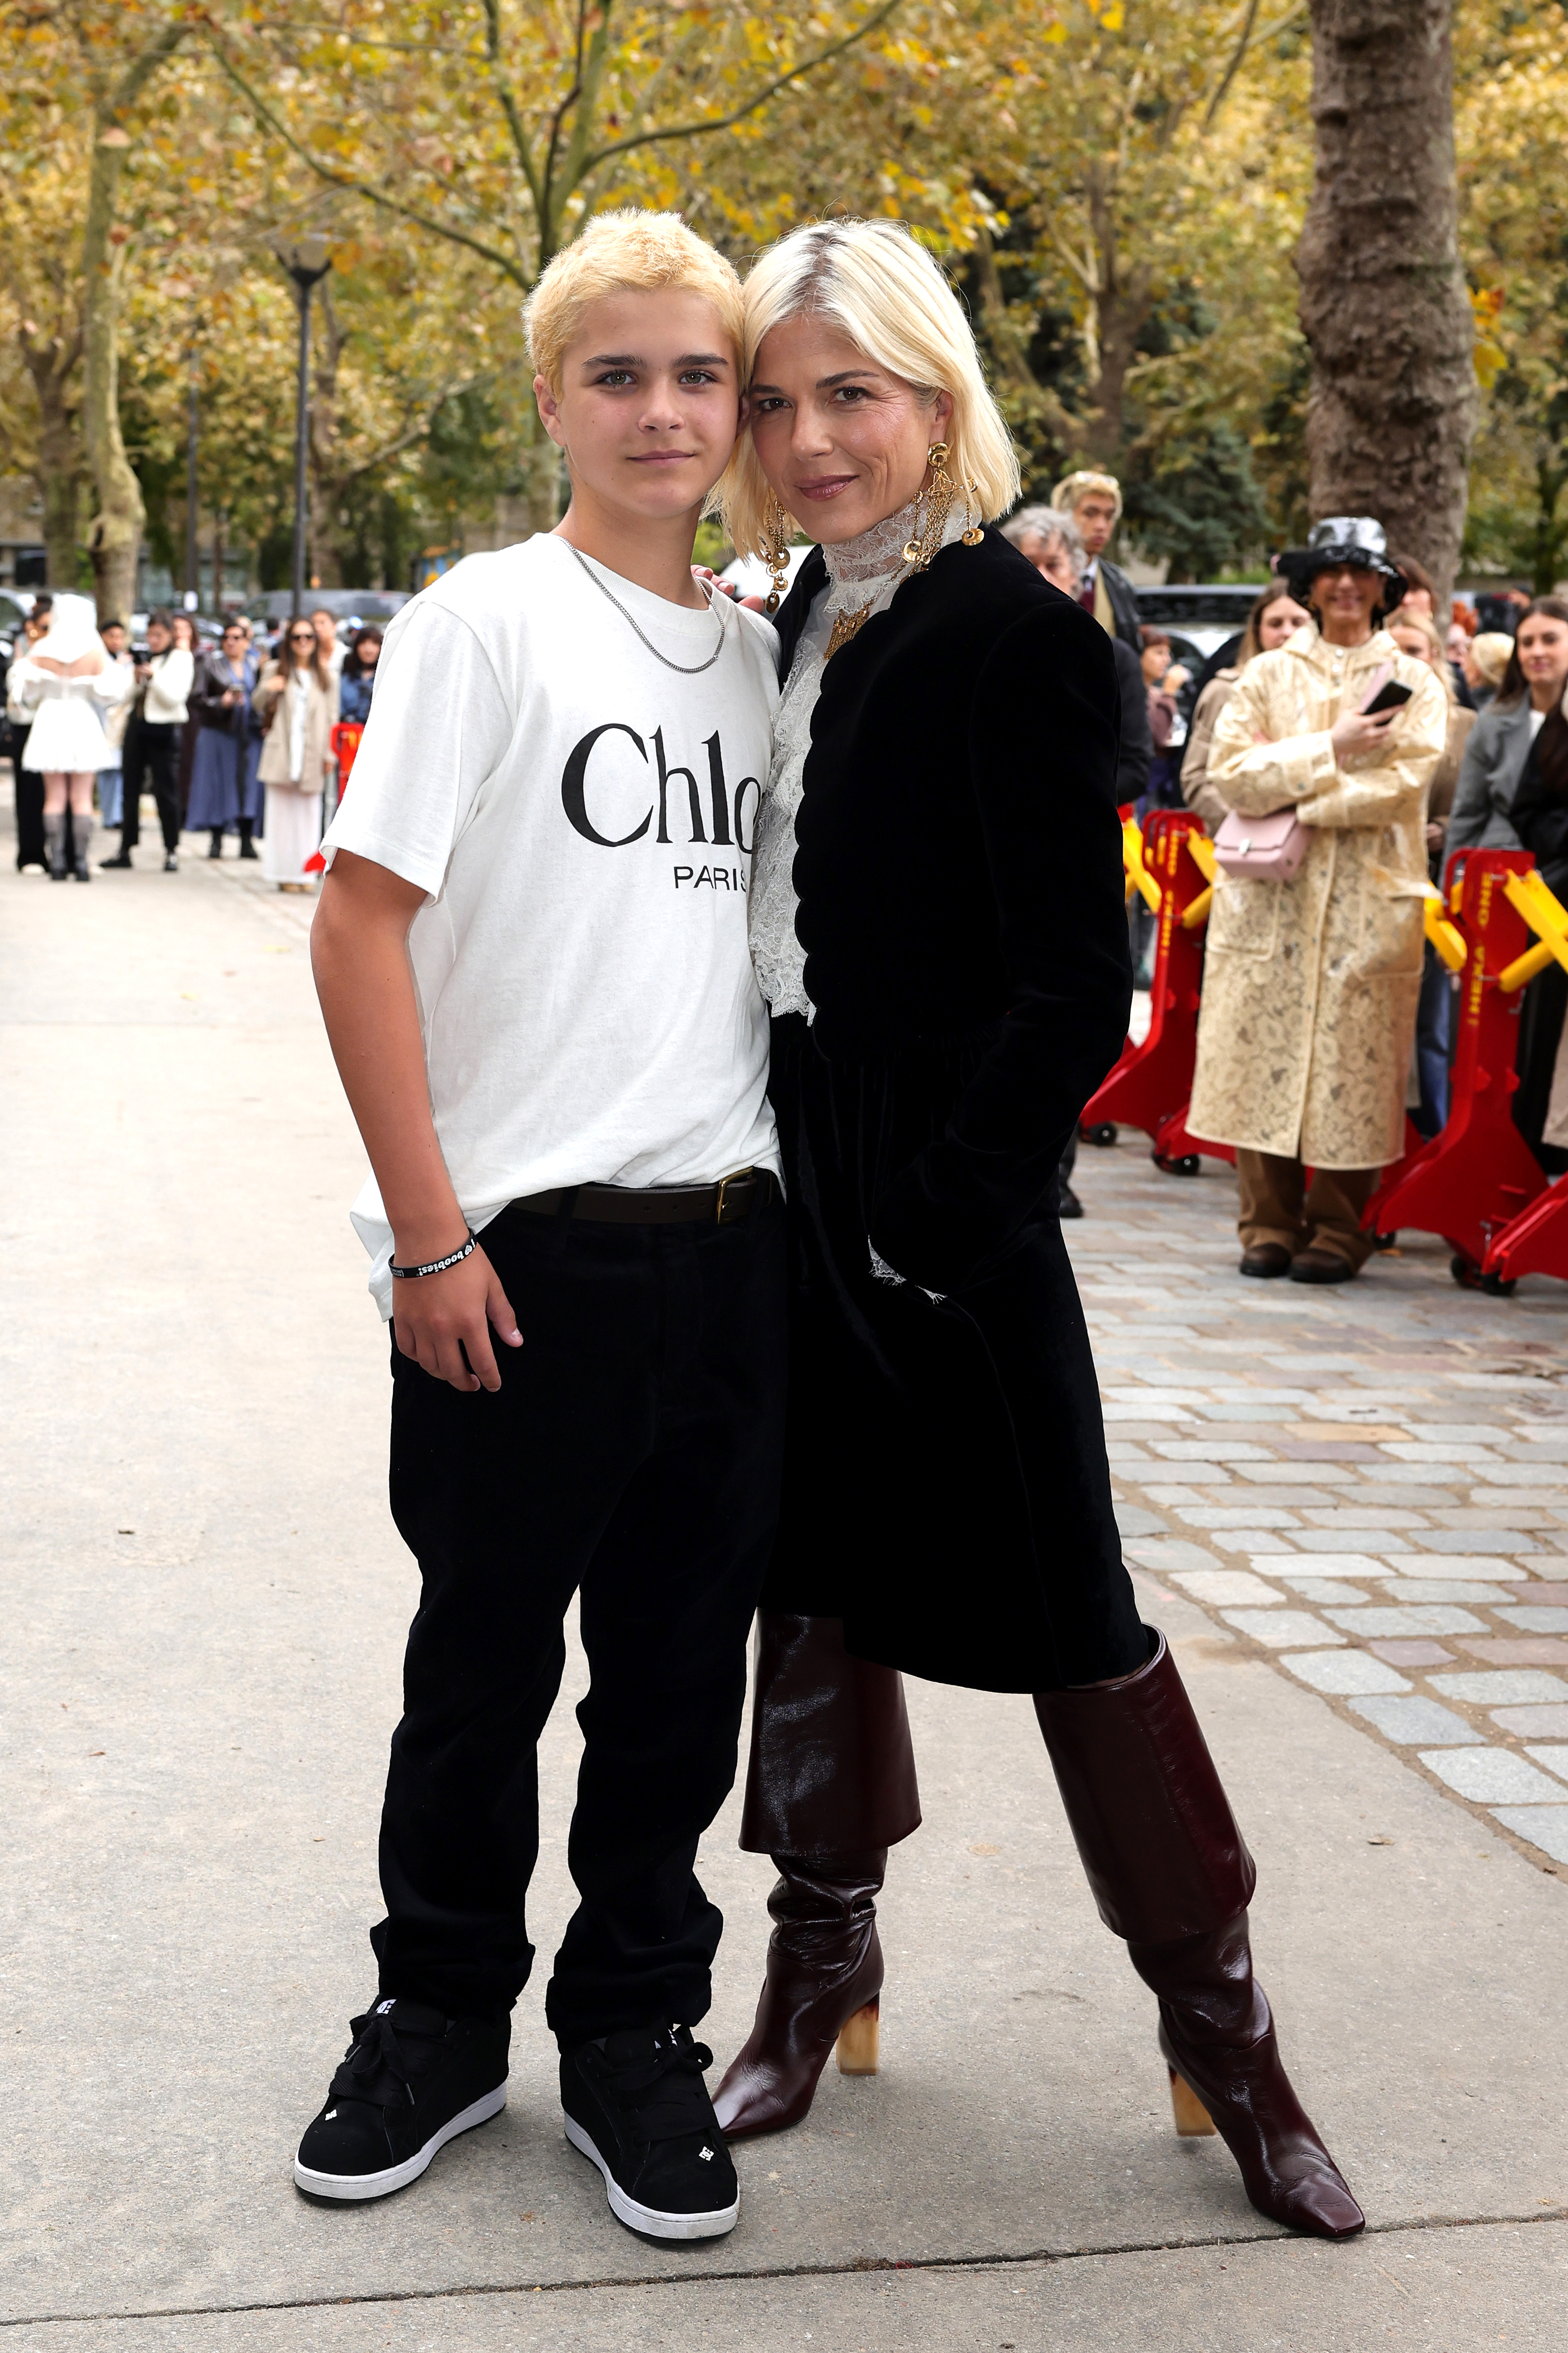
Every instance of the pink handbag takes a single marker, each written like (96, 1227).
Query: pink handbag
(1261, 849)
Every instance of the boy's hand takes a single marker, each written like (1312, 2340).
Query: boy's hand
(443, 1321)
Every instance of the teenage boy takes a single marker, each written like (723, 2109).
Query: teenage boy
(543, 867)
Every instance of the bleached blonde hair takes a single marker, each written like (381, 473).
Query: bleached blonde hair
(870, 280)
(1073, 487)
(625, 252)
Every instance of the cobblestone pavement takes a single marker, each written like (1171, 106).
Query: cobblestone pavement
(1368, 1484)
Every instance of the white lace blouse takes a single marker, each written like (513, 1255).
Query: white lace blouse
(865, 570)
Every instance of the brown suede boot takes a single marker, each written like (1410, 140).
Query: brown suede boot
(1172, 1876)
(824, 1979)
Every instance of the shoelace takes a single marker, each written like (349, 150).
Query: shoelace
(672, 2075)
(375, 2069)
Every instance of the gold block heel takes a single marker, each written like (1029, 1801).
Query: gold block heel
(1193, 2119)
(858, 2042)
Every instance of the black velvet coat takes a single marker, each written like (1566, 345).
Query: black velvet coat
(959, 874)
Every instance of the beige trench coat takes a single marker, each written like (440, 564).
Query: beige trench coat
(1310, 987)
(320, 718)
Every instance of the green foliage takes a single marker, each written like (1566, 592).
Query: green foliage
(1198, 504)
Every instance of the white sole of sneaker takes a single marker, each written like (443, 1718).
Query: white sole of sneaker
(344, 2188)
(648, 2219)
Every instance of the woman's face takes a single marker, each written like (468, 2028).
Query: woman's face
(1542, 644)
(1348, 595)
(233, 644)
(1414, 642)
(302, 647)
(1280, 620)
(185, 633)
(369, 652)
(1156, 662)
(841, 441)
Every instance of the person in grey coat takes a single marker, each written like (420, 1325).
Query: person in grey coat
(1500, 739)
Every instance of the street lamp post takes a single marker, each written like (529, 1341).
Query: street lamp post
(307, 263)
(192, 437)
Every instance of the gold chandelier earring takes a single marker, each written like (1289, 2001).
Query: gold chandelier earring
(938, 499)
(776, 530)
(973, 534)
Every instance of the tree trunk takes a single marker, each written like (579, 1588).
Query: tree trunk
(115, 536)
(61, 465)
(1384, 301)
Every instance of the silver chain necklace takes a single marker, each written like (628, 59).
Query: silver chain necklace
(687, 669)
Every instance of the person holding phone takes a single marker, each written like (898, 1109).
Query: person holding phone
(1310, 986)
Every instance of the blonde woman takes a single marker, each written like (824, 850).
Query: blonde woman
(1275, 618)
(945, 746)
(298, 701)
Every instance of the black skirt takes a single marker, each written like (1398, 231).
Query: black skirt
(947, 1492)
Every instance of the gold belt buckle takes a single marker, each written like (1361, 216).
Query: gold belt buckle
(738, 1176)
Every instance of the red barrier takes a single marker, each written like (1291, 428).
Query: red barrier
(1535, 1242)
(1151, 1083)
(1475, 1176)
(345, 744)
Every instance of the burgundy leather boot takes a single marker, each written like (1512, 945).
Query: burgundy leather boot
(823, 1982)
(1172, 1877)
(830, 1787)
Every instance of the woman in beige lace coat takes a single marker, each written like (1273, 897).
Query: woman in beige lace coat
(1311, 986)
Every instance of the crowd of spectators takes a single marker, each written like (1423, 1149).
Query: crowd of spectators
(232, 739)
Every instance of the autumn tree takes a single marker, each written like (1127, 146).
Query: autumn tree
(498, 127)
(1510, 104)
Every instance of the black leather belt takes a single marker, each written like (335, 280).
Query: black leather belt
(724, 1204)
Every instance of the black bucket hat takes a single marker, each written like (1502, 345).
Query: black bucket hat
(1356, 540)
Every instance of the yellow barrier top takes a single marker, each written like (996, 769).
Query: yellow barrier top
(1138, 875)
(1445, 936)
(1547, 918)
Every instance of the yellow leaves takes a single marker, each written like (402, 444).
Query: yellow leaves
(1486, 303)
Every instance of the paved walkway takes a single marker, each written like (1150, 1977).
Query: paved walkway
(205, 1608)
(1368, 1483)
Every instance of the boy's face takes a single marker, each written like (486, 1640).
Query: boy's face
(1095, 515)
(649, 403)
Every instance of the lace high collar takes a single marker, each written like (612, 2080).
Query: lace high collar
(874, 564)
(877, 554)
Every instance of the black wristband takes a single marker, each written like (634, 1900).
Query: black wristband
(438, 1265)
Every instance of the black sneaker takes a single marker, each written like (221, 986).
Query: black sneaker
(636, 2105)
(411, 2081)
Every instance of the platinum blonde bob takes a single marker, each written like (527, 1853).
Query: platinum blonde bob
(871, 281)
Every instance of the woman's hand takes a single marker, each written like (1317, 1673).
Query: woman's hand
(1437, 832)
(1360, 730)
(443, 1321)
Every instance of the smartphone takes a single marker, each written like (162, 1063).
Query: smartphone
(1389, 697)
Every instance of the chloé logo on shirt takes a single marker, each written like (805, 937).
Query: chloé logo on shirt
(721, 812)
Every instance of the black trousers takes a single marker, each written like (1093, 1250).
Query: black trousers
(29, 800)
(633, 1453)
(151, 753)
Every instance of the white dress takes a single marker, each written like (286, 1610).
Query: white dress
(66, 734)
(292, 818)
(861, 572)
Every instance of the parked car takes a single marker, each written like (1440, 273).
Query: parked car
(349, 607)
(1198, 619)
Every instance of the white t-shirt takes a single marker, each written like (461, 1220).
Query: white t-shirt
(583, 817)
